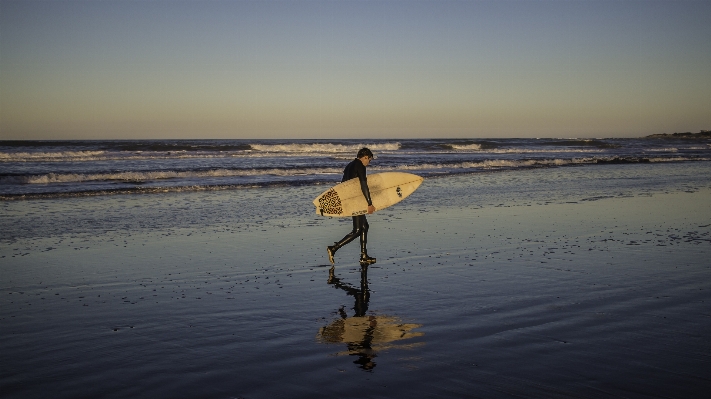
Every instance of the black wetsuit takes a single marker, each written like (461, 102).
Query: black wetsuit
(353, 170)
(357, 169)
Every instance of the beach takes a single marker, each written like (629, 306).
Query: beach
(563, 282)
(169, 209)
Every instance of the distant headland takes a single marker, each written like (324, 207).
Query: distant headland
(704, 134)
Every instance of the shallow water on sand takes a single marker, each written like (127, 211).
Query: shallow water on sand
(588, 288)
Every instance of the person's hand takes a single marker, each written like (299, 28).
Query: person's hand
(371, 209)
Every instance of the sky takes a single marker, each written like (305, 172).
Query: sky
(351, 69)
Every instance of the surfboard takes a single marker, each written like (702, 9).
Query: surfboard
(386, 189)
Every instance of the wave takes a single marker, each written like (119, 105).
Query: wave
(178, 146)
(544, 151)
(130, 152)
(677, 149)
(146, 182)
(121, 151)
(580, 143)
(49, 156)
(88, 156)
(491, 147)
(662, 149)
(487, 164)
(467, 147)
(528, 163)
(323, 148)
(484, 149)
(130, 145)
(148, 190)
(145, 176)
(148, 176)
(624, 160)
(155, 175)
(447, 145)
(676, 159)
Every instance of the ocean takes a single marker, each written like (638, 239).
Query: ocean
(48, 169)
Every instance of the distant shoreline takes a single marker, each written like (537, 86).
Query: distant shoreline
(704, 134)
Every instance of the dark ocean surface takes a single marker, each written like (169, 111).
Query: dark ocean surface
(46, 169)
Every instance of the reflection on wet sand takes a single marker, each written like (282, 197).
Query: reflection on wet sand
(365, 335)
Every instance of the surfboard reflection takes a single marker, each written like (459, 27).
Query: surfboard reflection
(365, 335)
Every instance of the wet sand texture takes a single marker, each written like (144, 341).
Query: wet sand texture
(607, 297)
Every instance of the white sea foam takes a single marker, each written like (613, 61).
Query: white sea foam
(49, 156)
(467, 147)
(139, 176)
(517, 150)
(265, 150)
(86, 156)
(679, 148)
(51, 178)
(676, 159)
(544, 151)
(258, 151)
(489, 164)
(145, 176)
(325, 148)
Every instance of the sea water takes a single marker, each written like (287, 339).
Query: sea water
(47, 169)
(89, 187)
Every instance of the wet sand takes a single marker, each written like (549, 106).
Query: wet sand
(607, 297)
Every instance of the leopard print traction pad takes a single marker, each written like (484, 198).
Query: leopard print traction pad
(330, 203)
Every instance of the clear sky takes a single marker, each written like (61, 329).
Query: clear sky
(342, 69)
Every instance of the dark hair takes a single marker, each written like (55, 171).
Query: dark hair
(364, 152)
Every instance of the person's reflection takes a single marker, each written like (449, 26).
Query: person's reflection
(363, 334)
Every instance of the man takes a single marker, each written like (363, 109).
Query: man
(356, 169)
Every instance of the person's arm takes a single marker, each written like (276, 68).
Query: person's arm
(364, 187)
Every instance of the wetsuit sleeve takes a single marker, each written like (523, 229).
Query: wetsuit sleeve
(360, 171)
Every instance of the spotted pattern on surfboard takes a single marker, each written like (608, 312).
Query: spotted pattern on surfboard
(330, 203)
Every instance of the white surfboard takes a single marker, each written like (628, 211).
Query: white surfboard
(346, 199)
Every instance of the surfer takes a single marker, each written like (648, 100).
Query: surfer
(356, 169)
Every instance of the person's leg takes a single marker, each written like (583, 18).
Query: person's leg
(363, 227)
(345, 240)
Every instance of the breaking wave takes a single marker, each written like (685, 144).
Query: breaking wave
(145, 176)
(51, 178)
(49, 156)
(42, 169)
(127, 152)
(323, 148)
(580, 143)
(467, 147)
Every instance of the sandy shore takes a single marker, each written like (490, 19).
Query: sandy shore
(599, 298)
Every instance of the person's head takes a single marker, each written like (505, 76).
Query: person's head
(365, 155)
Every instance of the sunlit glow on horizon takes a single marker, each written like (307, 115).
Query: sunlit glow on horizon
(242, 69)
